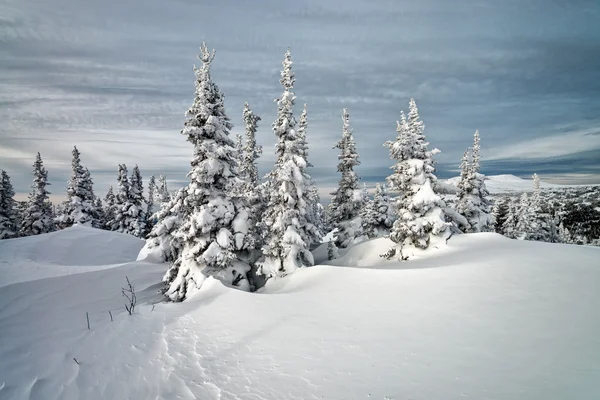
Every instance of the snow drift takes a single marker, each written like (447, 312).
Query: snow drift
(75, 249)
(484, 318)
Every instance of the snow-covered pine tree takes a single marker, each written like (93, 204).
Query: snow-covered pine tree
(239, 145)
(9, 218)
(535, 223)
(163, 195)
(377, 215)
(80, 207)
(119, 222)
(287, 232)
(347, 200)
(419, 210)
(216, 229)
(251, 151)
(332, 251)
(99, 221)
(152, 194)
(500, 212)
(150, 207)
(314, 214)
(38, 218)
(162, 245)
(301, 132)
(109, 208)
(509, 226)
(472, 201)
(135, 213)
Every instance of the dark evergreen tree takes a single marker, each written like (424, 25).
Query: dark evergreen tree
(38, 217)
(9, 217)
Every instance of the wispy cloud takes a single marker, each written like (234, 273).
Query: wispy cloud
(115, 78)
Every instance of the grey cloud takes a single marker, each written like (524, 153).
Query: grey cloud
(99, 74)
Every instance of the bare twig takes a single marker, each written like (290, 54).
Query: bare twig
(111, 318)
(87, 316)
(74, 359)
(129, 294)
(153, 305)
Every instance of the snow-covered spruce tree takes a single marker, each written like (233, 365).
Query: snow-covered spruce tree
(162, 195)
(239, 145)
(216, 230)
(251, 151)
(314, 214)
(119, 222)
(535, 223)
(509, 226)
(38, 218)
(150, 207)
(419, 210)
(80, 207)
(9, 218)
(347, 200)
(109, 208)
(332, 251)
(500, 212)
(99, 220)
(162, 245)
(377, 215)
(472, 201)
(287, 232)
(135, 213)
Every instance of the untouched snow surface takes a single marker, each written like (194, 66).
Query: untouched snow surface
(72, 250)
(484, 318)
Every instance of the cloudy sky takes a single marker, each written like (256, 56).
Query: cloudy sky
(114, 77)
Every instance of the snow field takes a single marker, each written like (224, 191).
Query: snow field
(484, 318)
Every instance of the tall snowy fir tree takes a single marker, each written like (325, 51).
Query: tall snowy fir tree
(509, 226)
(472, 201)
(251, 152)
(9, 218)
(38, 217)
(163, 195)
(216, 230)
(162, 245)
(314, 214)
(150, 205)
(99, 221)
(109, 208)
(135, 212)
(535, 223)
(419, 210)
(80, 206)
(287, 232)
(377, 215)
(500, 212)
(347, 200)
(119, 222)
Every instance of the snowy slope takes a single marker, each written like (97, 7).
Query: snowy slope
(75, 249)
(485, 318)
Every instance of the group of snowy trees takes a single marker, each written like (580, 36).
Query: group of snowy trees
(229, 224)
(226, 223)
(529, 218)
(128, 211)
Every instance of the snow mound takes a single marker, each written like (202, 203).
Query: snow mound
(367, 254)
(64, 252)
